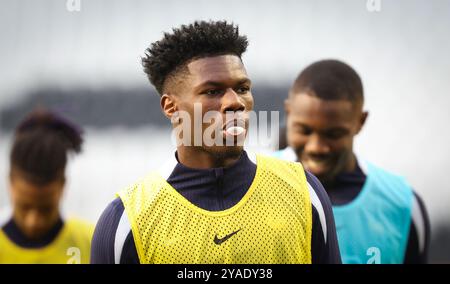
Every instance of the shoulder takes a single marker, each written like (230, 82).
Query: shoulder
(384, 176)
(140, 193)
(320, 202)
(280, 167)
(80, 226)
(419, 210)
(394, 189)
(110, 234)
(290, 169)
(113, 212)
(420, 222)
(287, 154)
(324, 241)
(319, 196)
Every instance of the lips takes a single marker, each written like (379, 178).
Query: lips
(235, 130)
(318, 164)
(235, 127)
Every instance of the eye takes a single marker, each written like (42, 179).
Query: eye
(335, 134)
(302, 130)
(242, 90)
(47, 211)
(25, 207)
(213, 92)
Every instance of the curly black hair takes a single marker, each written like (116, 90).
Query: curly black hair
(330, 80)
(41, 143)
(188, 42)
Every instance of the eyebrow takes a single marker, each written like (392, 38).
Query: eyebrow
(301, 124)
(335, 128)
(220, 84)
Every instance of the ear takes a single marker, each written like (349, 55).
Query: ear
(13, 176)
(63, 186)
(168, 105)
(12, 179)
(63, 181)
(362, 120)
(287, 108)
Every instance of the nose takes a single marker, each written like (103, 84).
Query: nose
(232, 102)
(316, 145)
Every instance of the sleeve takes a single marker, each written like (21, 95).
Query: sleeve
(324, 244)
(419, 234)
(113, 241)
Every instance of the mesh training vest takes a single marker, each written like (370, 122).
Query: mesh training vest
(373, 228)
(272, 223)
(72, 245)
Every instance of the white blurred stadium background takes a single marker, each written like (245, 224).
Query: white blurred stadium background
(401, 53)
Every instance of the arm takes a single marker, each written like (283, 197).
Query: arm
(113, 241)
(324, 244)
(419, 234)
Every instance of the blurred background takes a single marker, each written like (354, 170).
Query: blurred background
(86, 65)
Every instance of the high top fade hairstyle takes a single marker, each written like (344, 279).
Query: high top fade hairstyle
(41, 144)
(169, 56)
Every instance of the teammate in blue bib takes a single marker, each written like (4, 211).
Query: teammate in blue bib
(379, 218)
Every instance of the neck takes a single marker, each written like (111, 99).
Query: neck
(351, 164)
(34, 236)
(197, 158)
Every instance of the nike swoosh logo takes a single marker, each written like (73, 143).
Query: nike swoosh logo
(218, 241)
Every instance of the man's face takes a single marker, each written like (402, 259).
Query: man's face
(321, 133)
(35, 208)
(219, 84)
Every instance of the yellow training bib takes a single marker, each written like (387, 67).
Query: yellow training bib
(272, 223)
(72, 245)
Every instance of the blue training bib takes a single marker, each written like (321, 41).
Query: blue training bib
(373, 228)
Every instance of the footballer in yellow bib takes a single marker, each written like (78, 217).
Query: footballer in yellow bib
(270, 224)
(36, 233)
(211, 202)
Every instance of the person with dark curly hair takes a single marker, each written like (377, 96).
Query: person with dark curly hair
(214, 202)
(37, 232)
